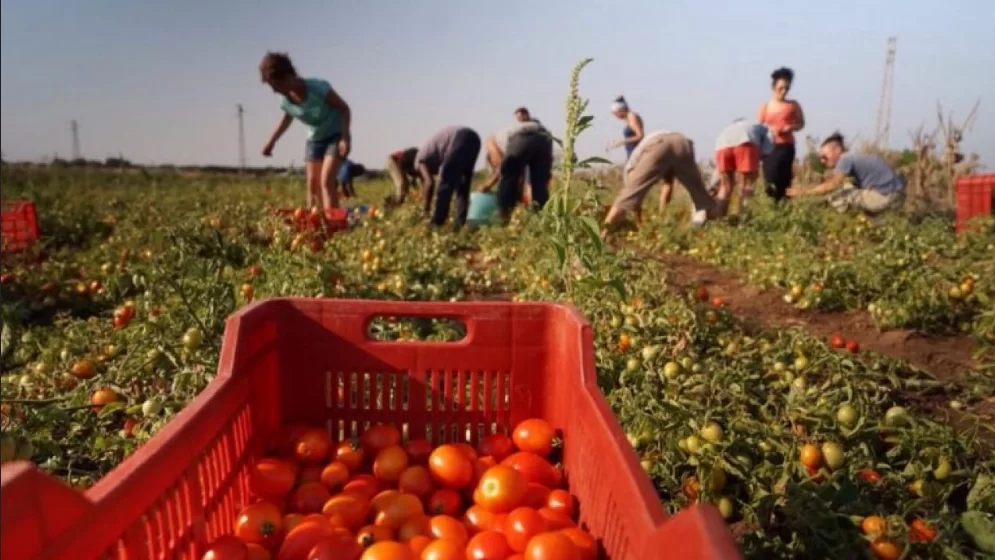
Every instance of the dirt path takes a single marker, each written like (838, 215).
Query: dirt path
(945, 357)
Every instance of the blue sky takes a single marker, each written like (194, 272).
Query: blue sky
(158, 81)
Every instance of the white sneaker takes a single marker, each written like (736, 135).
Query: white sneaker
(698, 218)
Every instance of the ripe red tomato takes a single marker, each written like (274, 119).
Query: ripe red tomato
(836, 341)
(553, 544)
(418, 451)
(227, 547)
(390, 462)
(555, 520)
(260, 523)
(534, 435)
(561, 501)
(450, 466)
(444, 501)
(535, 468)
(334, 475)
(312, 446)
(521, 525)
(701, 293)
(501, 489)
(448, 528)
(498, 446)
(852, 346)
(309, 497)
(379, 437)
(272, 479)
(338, 546)
(415, 480)
(302, 538)
(488, 545)
(586, 546)
(440, 549)
(351, 455)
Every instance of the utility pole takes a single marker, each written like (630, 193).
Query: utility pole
(74, 128)
(884, 106)
(241, 136)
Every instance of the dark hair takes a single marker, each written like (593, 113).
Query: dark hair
(523, 110)
(276, 66)
(620, 99)
(834, 138)
(782, 73)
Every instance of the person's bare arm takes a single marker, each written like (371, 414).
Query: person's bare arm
(800, 124)
(494, 157)
(336, 102)
(762, 113)
(829, 185)
(281, 127)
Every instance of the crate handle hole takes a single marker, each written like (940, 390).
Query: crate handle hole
(399, 328)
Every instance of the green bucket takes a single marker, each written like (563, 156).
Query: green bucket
(483, 208)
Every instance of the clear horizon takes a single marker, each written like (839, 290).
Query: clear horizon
(159, 83)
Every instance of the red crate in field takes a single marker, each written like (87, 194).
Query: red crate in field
(975, 197)
(331, 221)
(312, 360)
(19, 224)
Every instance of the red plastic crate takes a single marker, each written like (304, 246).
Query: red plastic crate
(19, 225)
(334, 219)
(284, 360)
(975, 197)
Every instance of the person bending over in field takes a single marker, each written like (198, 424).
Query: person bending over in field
(347, 172)
(661, 155)
(784, 117)
(737, 160)
(861, 182)
(401, 168)
(509, 152)
(327, 117)
(451, 154)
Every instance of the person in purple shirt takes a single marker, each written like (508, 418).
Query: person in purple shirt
(862, 182)
(450, 153)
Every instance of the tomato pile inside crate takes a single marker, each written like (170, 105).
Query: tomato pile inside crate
(315, 434)
(19, 223)
(379, 498)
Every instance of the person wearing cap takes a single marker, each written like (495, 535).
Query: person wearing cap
(450, 153)
(401, 168)
(738, 150)
(509, 152)
(661, 155)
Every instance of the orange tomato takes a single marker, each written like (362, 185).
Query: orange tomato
(534, 435)
(258, 552)
(560, 500)
(450, 466)
(334, 475)
(467, 450)
(291, 520)
(227, 547)
(310, 473)
(448, 528)
(444, 501)
(399, 509)
(418, 451)
(370, 534)
(502, 489)
(272, 479)
(389, 463)
(347, 510)
(363, 485)
(388, 550)
(382, 499)
(810, 456)
(418, 543)
(350, 455)
(586, 546)
(312, 446)
(379, 437)
(521, 525)
(309, 497)
(488, 545)
(413, 527)
(553, 545)
(883, 549)
(535, 468)
(498, 446)
(260, 523)
(339, 546)
(416, 480)
(555, 520)
(441, 549)
(478, 519)
(873, 525)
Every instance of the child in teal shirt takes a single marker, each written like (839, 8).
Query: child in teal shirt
(328, 118)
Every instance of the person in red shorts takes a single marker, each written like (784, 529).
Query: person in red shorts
(738, 150)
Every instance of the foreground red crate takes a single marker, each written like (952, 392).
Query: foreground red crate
(975, 197)
(285, 360)
(19, 223)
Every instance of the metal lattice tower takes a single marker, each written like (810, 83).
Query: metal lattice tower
(884, 106)
(241, 136)
(74, 128)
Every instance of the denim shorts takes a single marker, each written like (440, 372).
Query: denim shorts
(316, 150)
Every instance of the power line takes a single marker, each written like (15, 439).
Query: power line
(74, 128)
(241, 136)
(887, 85)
